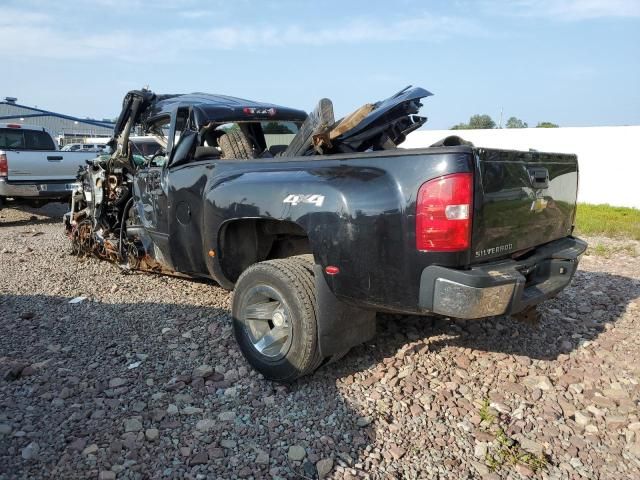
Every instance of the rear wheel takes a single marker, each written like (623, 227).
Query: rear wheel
(235, 144)
(274, 319)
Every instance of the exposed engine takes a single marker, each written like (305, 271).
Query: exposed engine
(100, 208)
(101, 203)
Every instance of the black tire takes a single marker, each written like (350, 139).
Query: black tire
(294, 284)
(235, 145)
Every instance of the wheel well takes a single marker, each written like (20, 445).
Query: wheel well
(247, 241)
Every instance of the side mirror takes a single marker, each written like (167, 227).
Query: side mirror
(184, 148)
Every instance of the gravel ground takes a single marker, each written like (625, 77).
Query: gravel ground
(142, 379)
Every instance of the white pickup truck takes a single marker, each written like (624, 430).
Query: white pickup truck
(32, 169)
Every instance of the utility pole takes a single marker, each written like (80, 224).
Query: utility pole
(500, 125)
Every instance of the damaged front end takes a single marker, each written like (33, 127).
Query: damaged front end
(98, 206)
(101, 203)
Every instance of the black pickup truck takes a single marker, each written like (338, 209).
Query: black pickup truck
(317, 225)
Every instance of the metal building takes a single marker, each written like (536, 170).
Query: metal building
(65, 128)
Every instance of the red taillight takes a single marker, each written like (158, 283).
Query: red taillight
(14, 125)
(332, 270)
(4, 166)
(443, 213)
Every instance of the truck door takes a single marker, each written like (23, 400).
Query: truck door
(156, 197)
(150, 194)
(153, 184)
(151, 202)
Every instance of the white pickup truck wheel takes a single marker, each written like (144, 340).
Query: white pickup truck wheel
(274, 319)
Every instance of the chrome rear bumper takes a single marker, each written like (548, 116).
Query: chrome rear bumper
(503, 287)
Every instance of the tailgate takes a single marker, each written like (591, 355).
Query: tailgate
(523, 199)
(43, 166)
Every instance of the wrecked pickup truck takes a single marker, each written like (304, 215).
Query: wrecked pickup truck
(318, 224)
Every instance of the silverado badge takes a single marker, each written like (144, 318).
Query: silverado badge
(493, 250)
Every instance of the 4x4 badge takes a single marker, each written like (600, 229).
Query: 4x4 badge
(295, 199)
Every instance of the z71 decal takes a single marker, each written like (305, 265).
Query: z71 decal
(295, 199)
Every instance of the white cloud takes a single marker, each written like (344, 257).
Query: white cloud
(568, 10)
(44, 42)
(14, 16)
(194, 14)
(39, 36)
(419, 29)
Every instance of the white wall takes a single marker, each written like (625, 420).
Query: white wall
(609, 157)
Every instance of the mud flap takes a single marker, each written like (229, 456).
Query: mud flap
(340, 325)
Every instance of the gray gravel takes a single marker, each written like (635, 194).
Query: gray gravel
(141, 378)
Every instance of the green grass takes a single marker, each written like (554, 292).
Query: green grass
(508, 452)
(607, 251)
(505, 450)
(608, 221)
(485, 413)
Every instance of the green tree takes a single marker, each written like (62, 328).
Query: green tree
(230, 127)
(546, 125)
(276, 128)
(476, 122)
(481, 121)
(514, 122)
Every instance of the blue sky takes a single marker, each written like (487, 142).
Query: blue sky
(573, 62)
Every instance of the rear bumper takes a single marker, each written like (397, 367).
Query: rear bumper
(500, 288)
(57, 189)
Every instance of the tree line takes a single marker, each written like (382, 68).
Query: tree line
(486, 122)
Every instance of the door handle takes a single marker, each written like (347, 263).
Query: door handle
(54, 158)
(539, 177)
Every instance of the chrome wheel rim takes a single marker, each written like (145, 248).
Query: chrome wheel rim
(267, 321)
